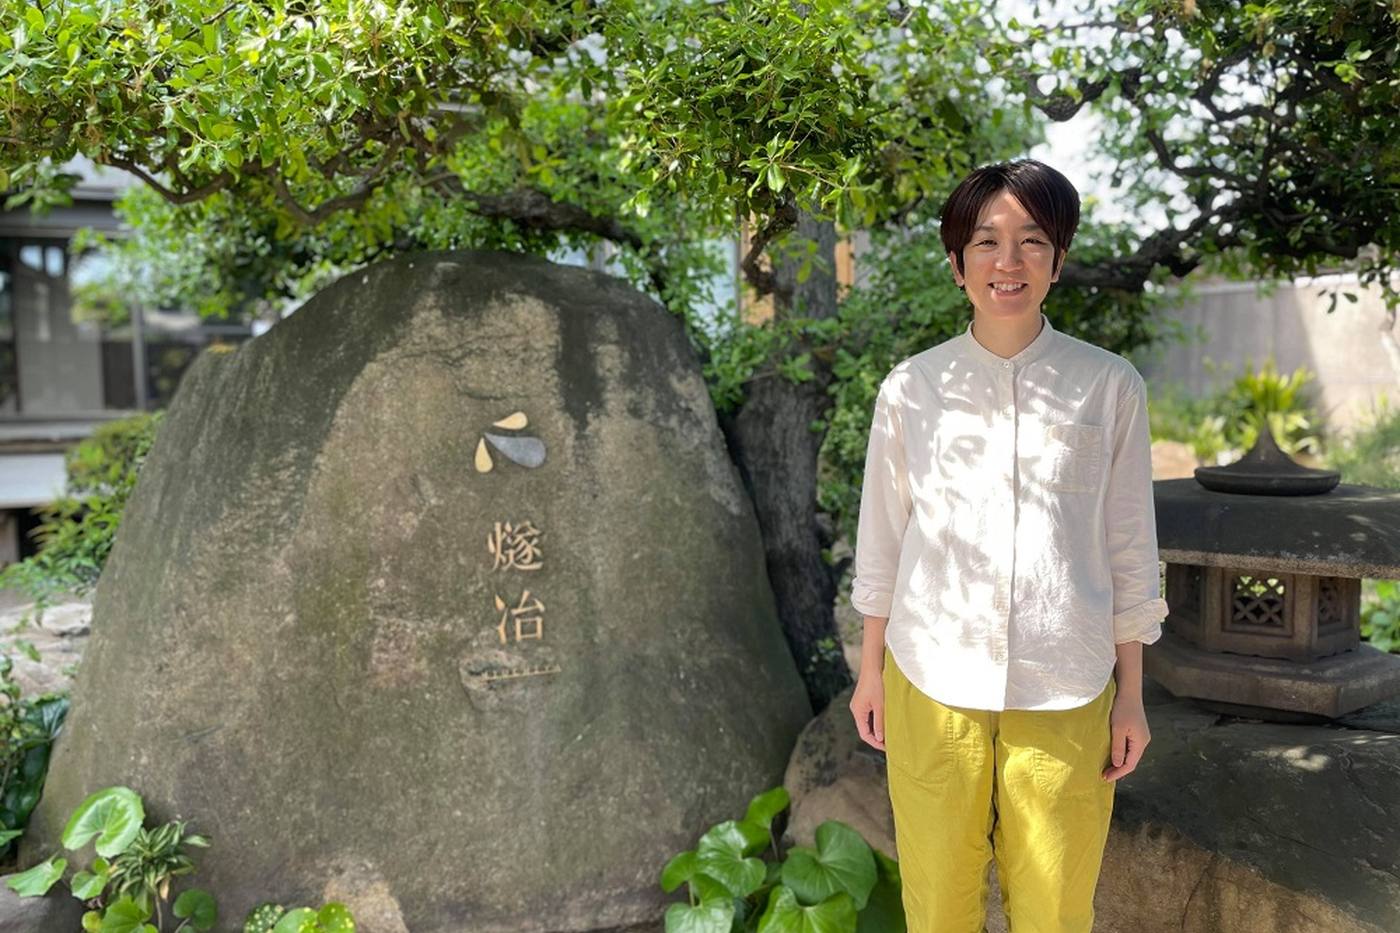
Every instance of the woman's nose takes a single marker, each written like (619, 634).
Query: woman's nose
(1009, 258)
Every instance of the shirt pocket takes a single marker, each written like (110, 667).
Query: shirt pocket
(1073, 457)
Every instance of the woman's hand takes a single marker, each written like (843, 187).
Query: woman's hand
(868, 707)
(1128, 724)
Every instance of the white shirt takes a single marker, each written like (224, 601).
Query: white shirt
(1007, 527)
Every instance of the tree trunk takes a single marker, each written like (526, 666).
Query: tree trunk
(771, 442)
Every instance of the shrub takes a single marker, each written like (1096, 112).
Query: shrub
(28, 726)
(78, 528)
(134, 868)
(840, 886)
(1230, 419)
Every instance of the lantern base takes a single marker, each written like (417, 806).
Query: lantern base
(1273, 689)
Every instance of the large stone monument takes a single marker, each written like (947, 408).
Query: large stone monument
(443, 599)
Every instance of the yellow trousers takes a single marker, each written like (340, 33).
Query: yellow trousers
(1020, 786)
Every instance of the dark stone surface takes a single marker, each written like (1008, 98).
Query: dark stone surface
(288, 636)
(56, 912)
(1352, 531)
(1311, 807)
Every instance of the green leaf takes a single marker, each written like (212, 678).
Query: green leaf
(37, 880)
(92, 921)
(125, 916)
(86, 885)
(334, 917)
(705, 888)
(754, 835)
(114, 815)
(7, 834)
(708, 917)
(776, 180)
(198, 906)
(678, 871)
(837, 914)
(842, 861)
(295, 921)
(884, 911)
(767, 805)
(721, 853)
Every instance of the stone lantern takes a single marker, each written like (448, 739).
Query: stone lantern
(1263, 579)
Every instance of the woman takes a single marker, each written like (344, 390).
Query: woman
(1006, 567)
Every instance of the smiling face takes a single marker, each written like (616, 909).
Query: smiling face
(1008, 263)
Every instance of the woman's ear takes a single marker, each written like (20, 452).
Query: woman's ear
(953, 261)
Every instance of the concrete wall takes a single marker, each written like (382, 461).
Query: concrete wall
(1353, 351)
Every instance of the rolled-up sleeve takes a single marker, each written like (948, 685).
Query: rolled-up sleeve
(1131, 524)
(885, 507)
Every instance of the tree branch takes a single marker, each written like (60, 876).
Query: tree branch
(537, 211)
(174, 197)
(762, 280)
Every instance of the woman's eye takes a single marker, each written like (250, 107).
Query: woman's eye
(1034, 240)
(986, 242)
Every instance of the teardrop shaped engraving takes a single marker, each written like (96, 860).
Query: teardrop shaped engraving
(483, 457)
(512, 422)
(526, 451)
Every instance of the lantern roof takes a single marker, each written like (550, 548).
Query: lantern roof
(1350, 531)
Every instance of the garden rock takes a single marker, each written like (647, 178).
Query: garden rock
(58, 912)
(58, 639)
(445, 588)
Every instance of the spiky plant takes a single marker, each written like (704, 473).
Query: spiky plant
(144, 870)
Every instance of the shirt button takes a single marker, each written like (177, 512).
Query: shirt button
(1005, 365)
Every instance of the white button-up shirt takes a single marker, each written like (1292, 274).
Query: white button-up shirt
(1007, 528)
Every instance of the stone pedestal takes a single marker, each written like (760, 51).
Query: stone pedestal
(1270, 688)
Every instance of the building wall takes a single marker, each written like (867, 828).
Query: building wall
(1353, 351)
(59, 361)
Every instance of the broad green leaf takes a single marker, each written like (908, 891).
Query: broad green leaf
(295, 921)
(841, 861)
(720, 854)
(125, 916)
(198, 906)
(114, 815)
(334, 917)
(709, 917)
(87, 885)
(836, 914)
(92, 921)
(705, 889)
(884, 910)
(37, 880)
(7, 834)
(678, 871)
(727, 836)
(756, 836)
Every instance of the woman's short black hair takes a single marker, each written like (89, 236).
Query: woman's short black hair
(1046, 195)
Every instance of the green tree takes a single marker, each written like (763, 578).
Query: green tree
(286, 142)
